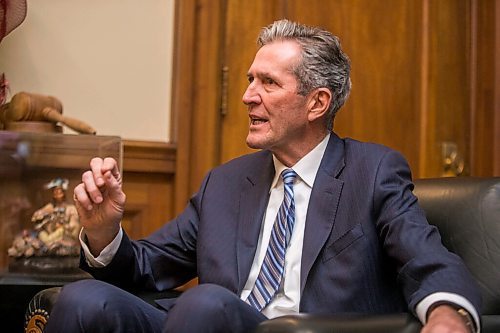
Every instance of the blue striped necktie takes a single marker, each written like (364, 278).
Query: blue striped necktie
(273, 267)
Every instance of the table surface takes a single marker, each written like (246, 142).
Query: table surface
(9, 278)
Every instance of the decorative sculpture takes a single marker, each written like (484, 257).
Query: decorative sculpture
(55, 231)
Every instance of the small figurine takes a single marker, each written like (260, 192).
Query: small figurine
(56, 227)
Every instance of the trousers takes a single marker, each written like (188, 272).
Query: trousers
(95, 306)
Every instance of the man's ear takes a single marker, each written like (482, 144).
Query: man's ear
(319, 103)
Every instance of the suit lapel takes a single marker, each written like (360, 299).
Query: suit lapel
(323, 205)
(253, 202)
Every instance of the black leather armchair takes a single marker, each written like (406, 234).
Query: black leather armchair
(467, 213)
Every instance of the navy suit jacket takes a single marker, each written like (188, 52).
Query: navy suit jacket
(367, 245)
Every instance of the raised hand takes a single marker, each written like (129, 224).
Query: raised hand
(100, 202)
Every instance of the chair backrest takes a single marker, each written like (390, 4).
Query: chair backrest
(466, 211)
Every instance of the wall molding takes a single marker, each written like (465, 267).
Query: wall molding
(149, 157)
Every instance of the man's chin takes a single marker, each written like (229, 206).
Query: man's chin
(254, 144)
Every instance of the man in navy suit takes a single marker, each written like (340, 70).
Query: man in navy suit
(355, 238)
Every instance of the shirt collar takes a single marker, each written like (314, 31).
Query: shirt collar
(307, 167)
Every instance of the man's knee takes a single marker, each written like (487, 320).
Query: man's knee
(215, 308)
(78, 305)
(83, 297)
(207, 298)
(95, 306)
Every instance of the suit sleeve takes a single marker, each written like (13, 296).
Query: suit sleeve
(164, 260)
(424, 265)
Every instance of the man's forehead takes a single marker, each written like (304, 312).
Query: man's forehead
(275, 58)
(280, 50)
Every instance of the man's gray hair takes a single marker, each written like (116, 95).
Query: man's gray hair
(323, 64)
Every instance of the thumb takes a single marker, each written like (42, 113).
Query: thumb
(114, 189)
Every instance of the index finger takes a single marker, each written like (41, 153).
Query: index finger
(96, 165)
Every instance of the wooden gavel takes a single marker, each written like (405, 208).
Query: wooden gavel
(33, 107)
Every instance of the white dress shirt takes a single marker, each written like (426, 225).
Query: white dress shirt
(287, 298)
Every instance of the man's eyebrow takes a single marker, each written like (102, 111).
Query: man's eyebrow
(260, 74)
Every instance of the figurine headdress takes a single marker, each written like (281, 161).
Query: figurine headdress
(57, 182)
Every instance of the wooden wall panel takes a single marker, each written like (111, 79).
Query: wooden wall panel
(206, 89)
(196, 96)
(412, 71)
(496, 92)
(424, 73)
(183, 75)
(244, 20)
(148, 182)
(448, 93)
(149, 202)
(382, 40)
(485, 88)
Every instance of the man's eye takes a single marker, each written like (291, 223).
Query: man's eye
(269, 81)
(250, 79)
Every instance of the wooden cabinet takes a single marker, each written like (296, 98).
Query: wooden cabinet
(30, 160)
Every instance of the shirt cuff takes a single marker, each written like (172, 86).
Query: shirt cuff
(106, 255)
(424, 305)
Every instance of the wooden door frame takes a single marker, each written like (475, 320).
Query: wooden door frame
(485, 88)
(198, 33)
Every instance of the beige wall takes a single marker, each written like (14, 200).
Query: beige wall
(109, 62)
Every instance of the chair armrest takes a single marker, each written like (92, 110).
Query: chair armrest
(397, 323)
(490, 323)
(38, 311)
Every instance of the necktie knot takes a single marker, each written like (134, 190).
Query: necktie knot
(288, 176)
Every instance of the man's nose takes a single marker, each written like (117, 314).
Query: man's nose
(251, 95)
